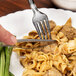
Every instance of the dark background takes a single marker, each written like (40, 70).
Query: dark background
(9, 6)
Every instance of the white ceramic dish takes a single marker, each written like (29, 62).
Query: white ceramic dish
(20, 23)
(67, 4)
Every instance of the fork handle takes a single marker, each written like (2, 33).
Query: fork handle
(33, 6)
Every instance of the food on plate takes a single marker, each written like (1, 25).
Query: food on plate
(68, 30)
(56, 59)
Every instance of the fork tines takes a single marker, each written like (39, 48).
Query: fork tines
(43, 29)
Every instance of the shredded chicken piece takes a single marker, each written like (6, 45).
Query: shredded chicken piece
(71, 32)
(53, 72)
(68, 30)
(50, 48)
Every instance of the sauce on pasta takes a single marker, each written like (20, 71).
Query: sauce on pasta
(57, 59)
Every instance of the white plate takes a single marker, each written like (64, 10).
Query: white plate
(20, 23)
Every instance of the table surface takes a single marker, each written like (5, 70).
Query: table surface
(9, 6)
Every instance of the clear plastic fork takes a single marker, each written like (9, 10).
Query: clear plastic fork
(40, 21)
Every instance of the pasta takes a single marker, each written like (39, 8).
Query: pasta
(56, 59)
